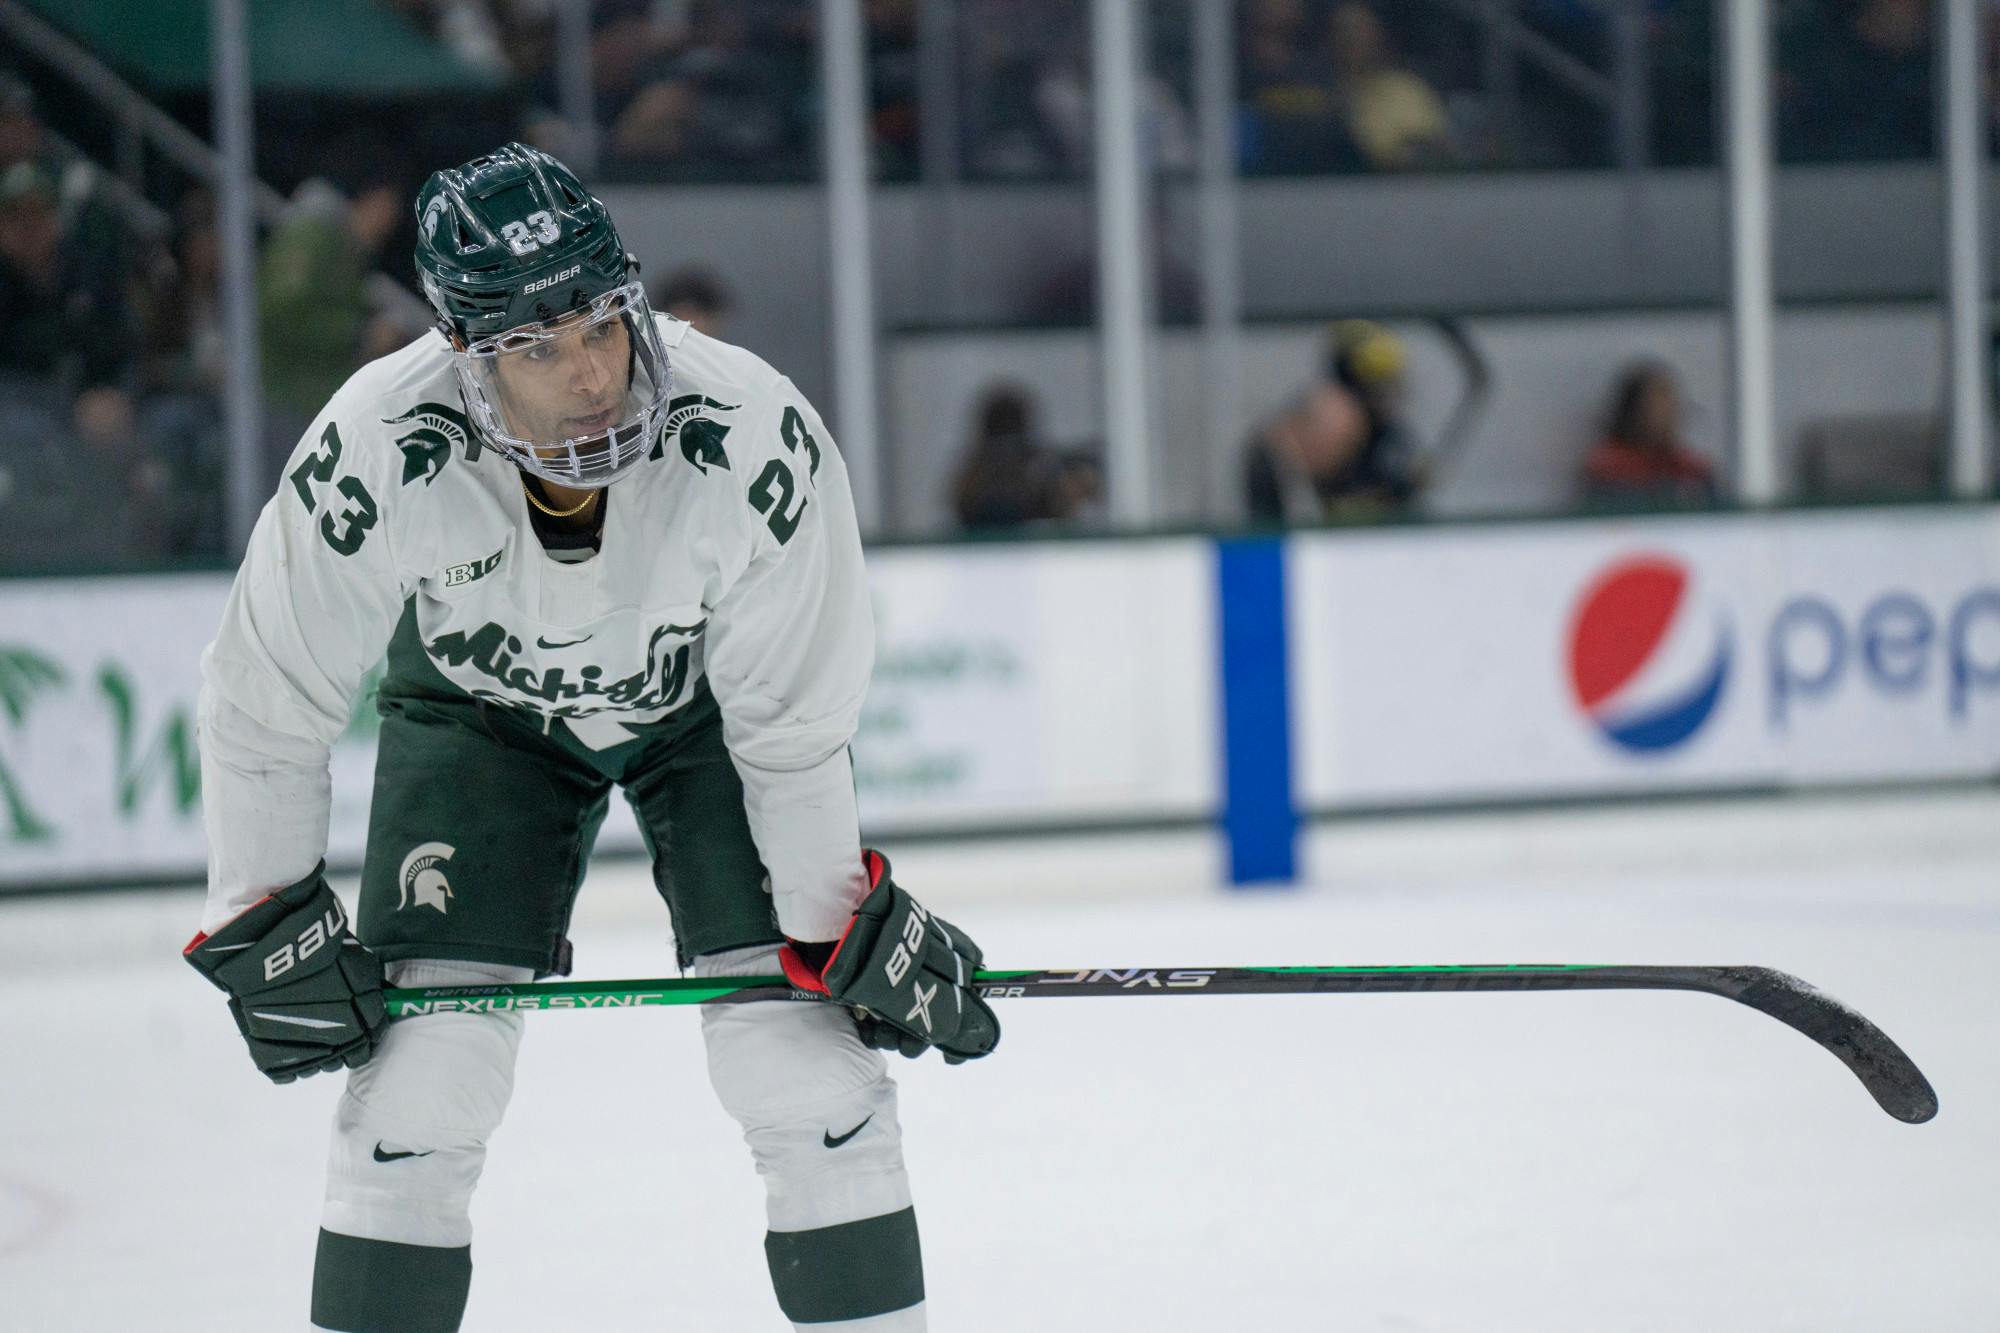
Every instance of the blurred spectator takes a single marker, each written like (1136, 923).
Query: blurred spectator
(183, 348)
(1323, 90)
(1003, 48)
(94, 235)
(626, 38)
(469, 29)
(1026, 101)
(736, 92)
(1395, 118)
(182, 366)
(1063, 103)
(1857, 81)
(1009, 478)
(696, 295)
(1642, 460)
(318, 322)
(1371, 363)
(62, 309)
(1292, 121)
(1296, 466)
(109, 364)
(1341, 449)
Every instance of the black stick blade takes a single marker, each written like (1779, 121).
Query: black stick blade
(1890, 1076)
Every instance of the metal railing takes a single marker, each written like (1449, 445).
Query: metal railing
(141, 124)
(1623, 93)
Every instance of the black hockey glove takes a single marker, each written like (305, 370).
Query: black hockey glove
(907, 973)
(306, 994)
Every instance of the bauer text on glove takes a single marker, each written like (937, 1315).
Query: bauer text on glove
(306, 994)
(908, 972)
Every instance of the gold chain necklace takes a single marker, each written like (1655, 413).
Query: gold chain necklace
(529, 491)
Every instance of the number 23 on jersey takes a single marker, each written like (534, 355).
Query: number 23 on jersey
(772, 493)
(344, 528)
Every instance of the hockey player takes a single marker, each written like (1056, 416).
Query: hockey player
(600, 549)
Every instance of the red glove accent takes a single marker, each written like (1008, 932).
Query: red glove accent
(798, 969)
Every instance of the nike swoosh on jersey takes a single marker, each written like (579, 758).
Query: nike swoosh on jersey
(540, 642)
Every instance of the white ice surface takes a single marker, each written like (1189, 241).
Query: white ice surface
(1395, 1164)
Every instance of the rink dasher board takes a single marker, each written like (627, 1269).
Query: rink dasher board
(1020, 684)
(1532, 661)
(1013, 685)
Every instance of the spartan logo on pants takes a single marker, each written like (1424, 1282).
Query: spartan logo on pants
(422, 880)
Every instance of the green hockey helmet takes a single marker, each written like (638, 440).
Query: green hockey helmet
(557, 353)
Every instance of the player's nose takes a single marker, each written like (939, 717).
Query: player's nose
(590, 371)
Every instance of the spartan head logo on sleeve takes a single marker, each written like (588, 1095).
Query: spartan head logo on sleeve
(422, 882)
(434, 431)
(701, 434)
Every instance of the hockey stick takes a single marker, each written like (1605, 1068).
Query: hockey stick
(1456, 432)
(1888, 1074)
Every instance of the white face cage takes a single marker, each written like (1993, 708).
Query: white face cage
(575, 401)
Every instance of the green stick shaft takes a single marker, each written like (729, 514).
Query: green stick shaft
(409, 1003)
(1889, 1075)
(1015, 984)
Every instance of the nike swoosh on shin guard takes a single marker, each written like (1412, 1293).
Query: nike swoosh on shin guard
(828, 1138)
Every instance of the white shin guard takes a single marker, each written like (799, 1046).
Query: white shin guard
(818, 1110)
(409, 1135)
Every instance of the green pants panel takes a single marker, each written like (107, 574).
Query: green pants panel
(689, 802)
(484, 816)
(477, 837)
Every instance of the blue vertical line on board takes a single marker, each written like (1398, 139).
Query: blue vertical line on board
(1258, 817)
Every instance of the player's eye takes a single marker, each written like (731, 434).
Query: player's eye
(540, 352)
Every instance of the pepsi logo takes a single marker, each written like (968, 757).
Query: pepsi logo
(1648, 659)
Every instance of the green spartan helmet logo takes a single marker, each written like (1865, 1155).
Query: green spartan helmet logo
(422, 880)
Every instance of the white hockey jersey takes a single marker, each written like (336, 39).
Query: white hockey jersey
(731, 553)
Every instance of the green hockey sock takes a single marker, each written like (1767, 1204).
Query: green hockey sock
(850, 1271)
(381, 1286)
